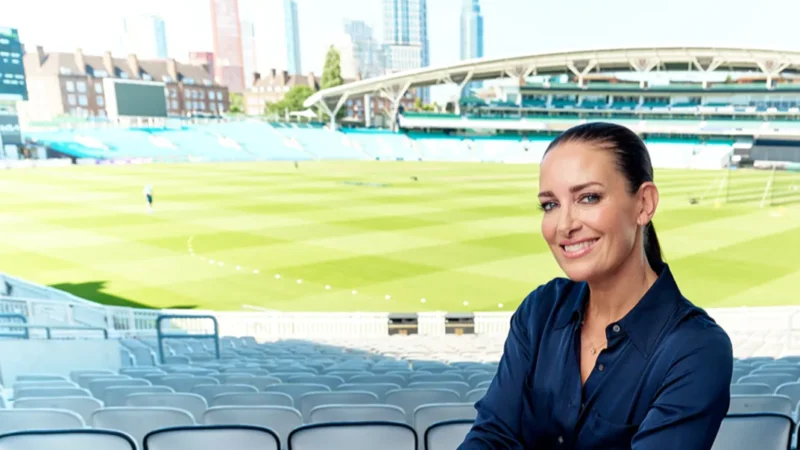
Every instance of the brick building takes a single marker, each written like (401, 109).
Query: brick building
(71, 84)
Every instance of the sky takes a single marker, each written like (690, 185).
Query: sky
(512, 27)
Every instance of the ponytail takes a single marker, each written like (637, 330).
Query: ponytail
(652, 249)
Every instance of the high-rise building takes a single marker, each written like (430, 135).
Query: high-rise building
(227, 33)
(249, 52)
(278, 35)
(361, 55)
(405, 26)
(471, 34)
(145, 36)
(471, 30)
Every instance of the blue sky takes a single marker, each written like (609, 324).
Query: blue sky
(512, 27)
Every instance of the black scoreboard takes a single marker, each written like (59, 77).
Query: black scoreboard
(12, 72)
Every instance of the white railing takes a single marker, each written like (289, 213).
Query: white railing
(753, 330)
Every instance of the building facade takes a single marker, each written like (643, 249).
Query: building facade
(405, 24)
(471, 36)
(145, 36)
(361, 55)
(71, 84)
(277, 24)
(272, 87)
(249, 52)
(227, 36)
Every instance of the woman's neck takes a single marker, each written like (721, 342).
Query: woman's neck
(613, 297)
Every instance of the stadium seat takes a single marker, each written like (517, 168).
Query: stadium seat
(313, 399)
(762, 431)
(410, 399)
(751, 389)
(117, 395)
(429, 414)
(67, 440)
(209, 391)
(212, 437)
(51, 392)
(139, 421)
(98, 387)
(20, 385)
(357, 413)
(475, 395)
(253, 399)
(18, 419)
(280, 419)
(297, 390)
(40, 377)
(83, 406)
(446, 435)
(746, 404)
(353, 436)
(771, 380)
(194, 404)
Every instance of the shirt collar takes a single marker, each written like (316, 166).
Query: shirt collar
(644, 323)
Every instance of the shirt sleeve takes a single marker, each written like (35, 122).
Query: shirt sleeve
(500, 412)
(694, 398)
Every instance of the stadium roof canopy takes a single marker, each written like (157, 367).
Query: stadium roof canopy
(580, 63)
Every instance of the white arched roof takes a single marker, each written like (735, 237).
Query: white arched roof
(770, 62)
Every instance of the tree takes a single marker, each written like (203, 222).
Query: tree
(293, 100)
(236, 103)
(332, 75)
(332, 72)
(418, 104)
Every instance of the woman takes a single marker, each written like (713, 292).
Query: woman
(613, 357)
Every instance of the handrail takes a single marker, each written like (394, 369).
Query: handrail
(22, 321)
(49, 328)
(160, 335)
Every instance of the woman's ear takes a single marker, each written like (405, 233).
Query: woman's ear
(648, 202)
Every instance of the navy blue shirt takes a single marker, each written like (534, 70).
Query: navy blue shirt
(663, 382)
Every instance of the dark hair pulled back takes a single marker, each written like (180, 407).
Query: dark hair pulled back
(633, 161)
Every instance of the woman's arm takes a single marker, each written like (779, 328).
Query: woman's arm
(500, 412)
(694, 397)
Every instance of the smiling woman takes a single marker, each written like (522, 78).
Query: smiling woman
(613, 356)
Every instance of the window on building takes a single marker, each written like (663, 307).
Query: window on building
(221, 107)
(174, 104)
(202, 94)
(81, 86)
(101, 113)
(99, 73)
(187, 104)
(70, 85)
(82, 100)
(147, 77)
(98, 88)
(71, 100)
(100, 100)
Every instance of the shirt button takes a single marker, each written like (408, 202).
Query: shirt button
(601, 367)
(615, 328)
(561, 439)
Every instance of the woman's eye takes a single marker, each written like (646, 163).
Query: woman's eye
(590, 198)
(547, 206)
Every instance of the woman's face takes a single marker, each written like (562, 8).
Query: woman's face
(591, 221)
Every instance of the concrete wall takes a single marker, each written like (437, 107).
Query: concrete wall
(56, 357)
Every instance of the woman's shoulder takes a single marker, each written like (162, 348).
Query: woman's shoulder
(552, 297)
(696, 332)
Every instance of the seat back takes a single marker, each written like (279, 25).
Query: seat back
(446, 435)
(67, 440)
(763, 431)
(82, 406)
(427, 415)
(212, 437)
(409, 399)
(51, 392)
(139, 421)
(313, 399)
(751, 389)
(192, 403)
(354, 436)
(747, 404)
(19, 419)
(209, 391)
(253, 399)
(357, 413)
(280, 419)
(117, 395)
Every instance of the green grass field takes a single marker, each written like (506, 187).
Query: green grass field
(464, 237)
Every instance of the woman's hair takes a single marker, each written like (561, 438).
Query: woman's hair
(633, 161)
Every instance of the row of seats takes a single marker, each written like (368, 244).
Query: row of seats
(352, 436)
